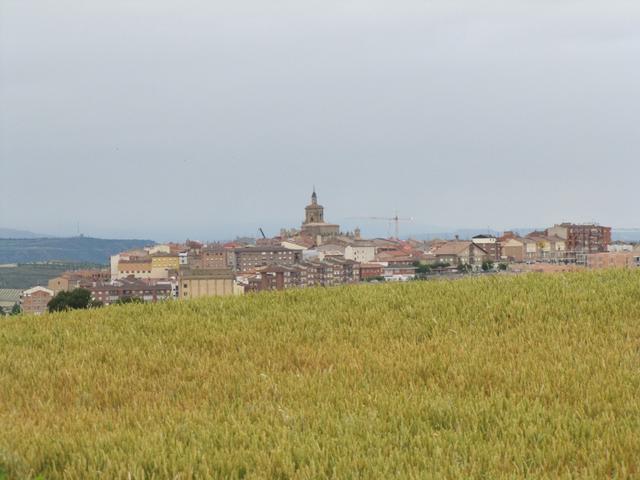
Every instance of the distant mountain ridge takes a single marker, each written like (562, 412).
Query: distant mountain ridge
(74, 249)
(467, 233)
(12, 233)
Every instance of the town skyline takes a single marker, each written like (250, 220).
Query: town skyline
(318, 254)
(371, 226)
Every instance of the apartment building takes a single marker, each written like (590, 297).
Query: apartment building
(128, 256)
(545, 248)
(130, 288)
(345, 271)
(310, 273)
(582, 239)
(489, 244)
(371, 270)
(138, 268)
(278, 277)
(34, 300)
(165, 261)
(248, 259)
(399, 272)
(211, 257)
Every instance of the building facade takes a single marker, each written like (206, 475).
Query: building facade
(582, 239)
(119, 290)
(460, 252)
(512, 249)
(309, 273)
(34, 300)
(545, 248)
(613, 260)
(194, 283)
(248, 259)
(360, 251)
(137, 268)
(371, 270)
(489, 244)
(210, 257)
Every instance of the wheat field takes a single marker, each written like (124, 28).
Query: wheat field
(503, 377)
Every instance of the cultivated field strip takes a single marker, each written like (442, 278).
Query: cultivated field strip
(503, 377)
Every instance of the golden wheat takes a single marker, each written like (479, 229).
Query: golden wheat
(503, 377)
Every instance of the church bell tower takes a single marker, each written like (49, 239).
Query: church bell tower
(314, 213)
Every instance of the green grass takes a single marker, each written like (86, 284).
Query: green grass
(73, 249)
(503, 377)
(27, 275)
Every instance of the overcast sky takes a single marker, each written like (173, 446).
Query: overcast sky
(202, 118)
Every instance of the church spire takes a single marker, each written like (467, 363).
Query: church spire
(314, 197)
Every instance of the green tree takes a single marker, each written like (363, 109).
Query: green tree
(487, 265)
(16, 310)
(77, 299)
(59, 302)
(80, 298)
(464, 267)
(502, 266)
(422, 268)
(439, 265)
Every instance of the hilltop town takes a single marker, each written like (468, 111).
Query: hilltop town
(319, 254)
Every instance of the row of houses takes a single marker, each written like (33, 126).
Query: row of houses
(35, 300)
(311, 273)
(194, 269)
(562, 243)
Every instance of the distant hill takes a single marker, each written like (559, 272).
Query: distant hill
(27, 275)
(11, 233)
(75, 249)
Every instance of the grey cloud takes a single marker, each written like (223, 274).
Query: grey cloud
(202, 118)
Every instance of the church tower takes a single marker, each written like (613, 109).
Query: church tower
(314, 225)
(314, 213)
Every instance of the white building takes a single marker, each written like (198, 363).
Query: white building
(620, 247)
(114, 261)
(363, 252)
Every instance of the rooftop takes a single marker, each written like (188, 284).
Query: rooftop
(453, 248)
(9, 295)
(207, 273)
(264, 248)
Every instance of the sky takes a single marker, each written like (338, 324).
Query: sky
(206, 119)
